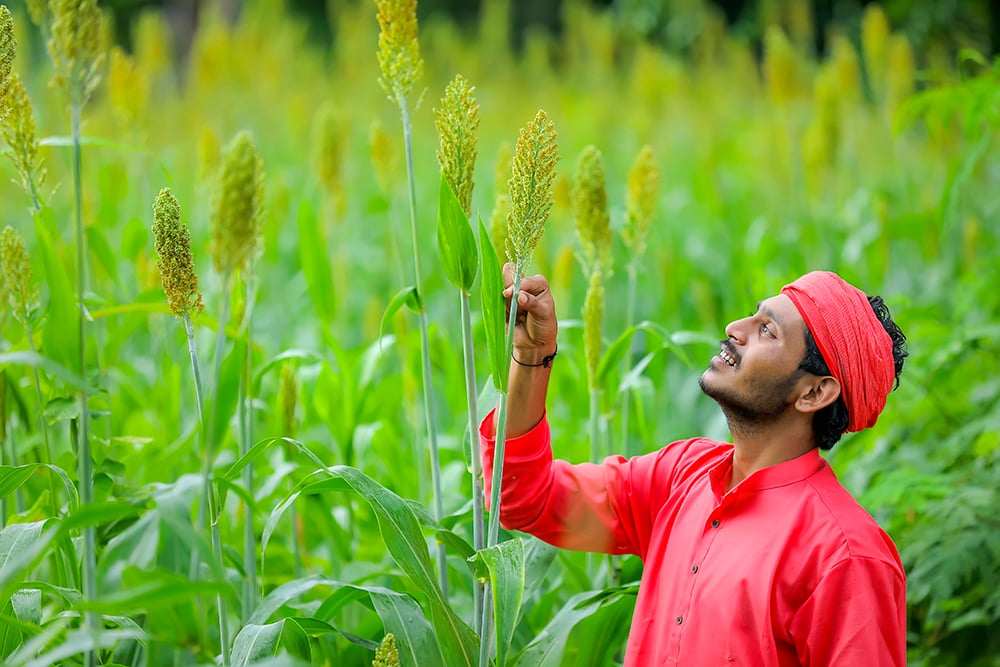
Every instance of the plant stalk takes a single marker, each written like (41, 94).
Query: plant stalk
(53, 497)
(478, 527)
(246, 439)
(425, 350)
(627, 395)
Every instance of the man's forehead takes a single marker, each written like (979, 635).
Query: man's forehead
(783, 311)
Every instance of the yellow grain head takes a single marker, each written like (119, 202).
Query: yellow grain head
(288, 397)
(385, 158)
(8, 49)
(38, 10)
(237, 206)
(844, 60)
(498, 222)
(128, 88)
(593, 324)
(15, 265)
(799, 18)
(502, 166)
(209, 154)
(900, 72)
(641, 192)
(386, 655)
(398, 48)
(780, 66)
(152, 44)
(328, 150)
(18, 131)
(590, 206)
(76, 46)
(874, 39)
(172, 242)
(822, 135)
(533, 171)
(457, 123)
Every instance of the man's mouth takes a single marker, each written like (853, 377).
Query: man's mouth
(726, 357)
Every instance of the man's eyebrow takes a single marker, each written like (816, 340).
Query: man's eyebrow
(770, 314)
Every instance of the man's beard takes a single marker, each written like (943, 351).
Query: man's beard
(759, 405)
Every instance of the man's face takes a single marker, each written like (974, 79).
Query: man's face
(754, 376)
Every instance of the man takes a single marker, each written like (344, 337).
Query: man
(753, 552)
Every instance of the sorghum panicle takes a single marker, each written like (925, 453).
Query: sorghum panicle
(8, 49)
(780, 66)
(900, 70)
(399, 51)
(19, 133)
(385, 159)
(15, 267)
(174, 258)
(328, 144)
(237, 206)
(288, 396)
(128, 87)
(533, 171)
(593, 321)
(590, 205)
(457, 123)
(844, 60)
(498, 222)
(874, 37)
(38, 10)
(76, 45)
(640, 200)
(386, 655)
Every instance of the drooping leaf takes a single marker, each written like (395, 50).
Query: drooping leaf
(255, 642)
(456, 242)
(504, 563)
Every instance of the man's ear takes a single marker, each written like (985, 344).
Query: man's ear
(819, 392)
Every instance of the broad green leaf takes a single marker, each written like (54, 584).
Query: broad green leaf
(78, 642)
(315, 263)
(234, 470)
(97, 244)
(304, 356)
(505, 565)
(547, 647)
(12, 478)
(27, 604)
(10, 634)
(228, 394)
(456, 242)
(159, 589)
(409, 297)
(255, 642)
(494, 310)
(60, 338)
(50, 367)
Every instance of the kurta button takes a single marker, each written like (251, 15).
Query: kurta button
(680, 619)
(715, 523)
(694, 569)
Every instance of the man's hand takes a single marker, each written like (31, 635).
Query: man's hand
(536, 325)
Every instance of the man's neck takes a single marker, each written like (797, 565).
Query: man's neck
(764, 446)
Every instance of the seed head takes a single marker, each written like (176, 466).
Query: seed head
(8, 48)
(899, 71)
(19, 133)
(780, 66)
(386, 654)
(38, 11)
(237, 206)
(15, 272)
(457, 123)
(174, 258)
(288, 395)
(498, 222)
(128, 87)
(76, 46)
(590, 204)
(399, 51)
(209, 154)
(384, 157)
(593, 321)
(328, 144)
(501, 170)
(640, 201)
(874, 36)
(845, 63)
(534, 168)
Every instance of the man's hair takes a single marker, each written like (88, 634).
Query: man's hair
(831, 422)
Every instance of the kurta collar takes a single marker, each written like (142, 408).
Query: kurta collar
(780, 474)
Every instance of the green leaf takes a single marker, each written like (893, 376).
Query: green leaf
(505, 565)
(49, 366)
(228, 394)
(315, 263)
(60, 338)
(97, 244)
(234, 470)
(78, 642)
(456, 242)
(255, 642)
(409, 297)
(494, 310)
(13, 477)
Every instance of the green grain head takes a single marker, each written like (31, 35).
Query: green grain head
(128, 87)
(386, 654)
(533, 172)
(457, 123)
(18, 131)
(593, 323)
(780, 66)
(15, 273)
(174, 258)
(8, 49)
(398, 48)
(590, 206)
(328, 146)
(288, 397)
(874, 40)
(641, 192)
(385, 159)
(237, 206)
(76, 46)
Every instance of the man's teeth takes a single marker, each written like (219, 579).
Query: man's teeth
(728, 359)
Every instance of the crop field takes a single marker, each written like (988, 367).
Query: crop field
(245, 341)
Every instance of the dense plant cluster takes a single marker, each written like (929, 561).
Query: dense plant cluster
(277, 509)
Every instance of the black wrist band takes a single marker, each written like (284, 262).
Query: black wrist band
(546, 361)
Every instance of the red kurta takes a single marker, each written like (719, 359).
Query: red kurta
(784, 569)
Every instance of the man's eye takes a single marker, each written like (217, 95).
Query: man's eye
(765, 329)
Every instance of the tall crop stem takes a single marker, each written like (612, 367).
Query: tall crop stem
(478, 528)
(428, 386)
(629, 321)
(246, 438)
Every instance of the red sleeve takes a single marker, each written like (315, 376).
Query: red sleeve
(855, 616)
(605, 508)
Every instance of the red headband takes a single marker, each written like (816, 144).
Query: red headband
(852, 340)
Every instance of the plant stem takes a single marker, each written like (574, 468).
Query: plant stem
(85, 474)
(223, 621)
(629, 321)
(246, 438)
(478, 528)
(195, 368)
(53, 497)
(425, 349)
